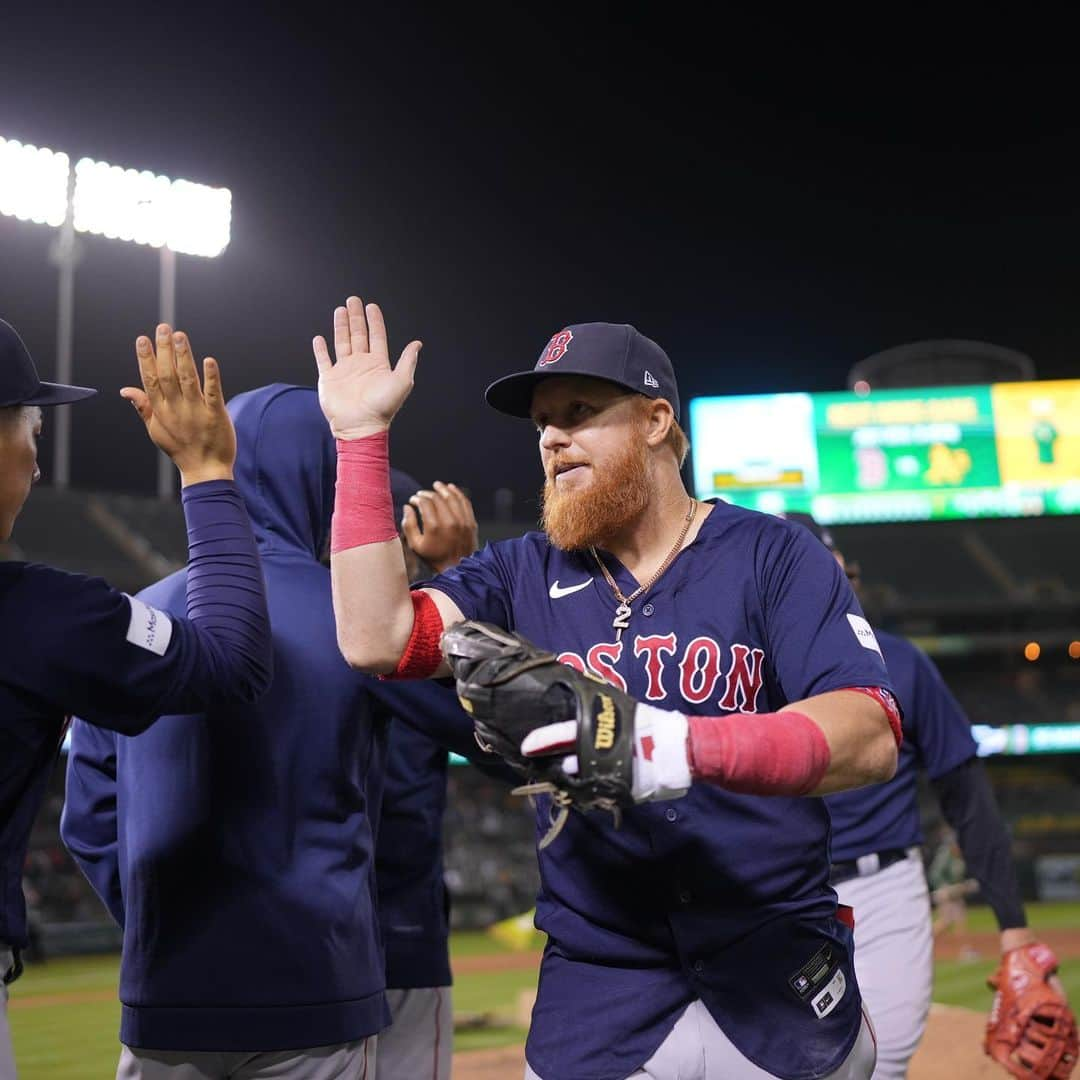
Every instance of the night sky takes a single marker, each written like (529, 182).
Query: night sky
(770, 214)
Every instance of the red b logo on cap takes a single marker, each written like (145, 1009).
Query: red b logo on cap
(556, 348)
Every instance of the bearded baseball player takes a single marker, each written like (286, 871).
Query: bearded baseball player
(715, 670)
(878, 870)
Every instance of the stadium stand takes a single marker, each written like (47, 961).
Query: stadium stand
(972, 593)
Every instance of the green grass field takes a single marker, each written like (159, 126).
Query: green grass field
(64, 1014)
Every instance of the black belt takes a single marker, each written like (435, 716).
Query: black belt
(865, 865)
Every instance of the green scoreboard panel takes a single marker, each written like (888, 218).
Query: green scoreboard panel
(1003, 450)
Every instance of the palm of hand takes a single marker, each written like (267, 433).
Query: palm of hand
(360, 393)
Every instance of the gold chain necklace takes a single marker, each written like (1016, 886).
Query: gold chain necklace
(621, 621)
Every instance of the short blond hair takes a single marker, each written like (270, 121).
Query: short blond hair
(679, 443)
(676, 438)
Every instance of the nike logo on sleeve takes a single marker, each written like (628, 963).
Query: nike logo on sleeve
(556, 591)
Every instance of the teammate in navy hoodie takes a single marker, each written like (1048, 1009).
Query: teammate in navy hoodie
(414, 907)
(71, 643)
(235, 848)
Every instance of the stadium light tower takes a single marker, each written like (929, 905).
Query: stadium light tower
(171, 215)
(35, 185)
(119, 204)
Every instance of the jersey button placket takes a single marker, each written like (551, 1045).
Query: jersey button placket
(648, 609)
(671, 814)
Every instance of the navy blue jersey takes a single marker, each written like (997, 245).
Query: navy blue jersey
(413, 903)
(410, 790)
(717, 896)
(937, 738)
(71, 644)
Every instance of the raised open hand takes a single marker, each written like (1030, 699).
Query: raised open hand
(360, 393)
(186, 419)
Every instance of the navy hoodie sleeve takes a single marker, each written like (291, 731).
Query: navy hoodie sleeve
(90, 650)
(432, 708)
(88, 823)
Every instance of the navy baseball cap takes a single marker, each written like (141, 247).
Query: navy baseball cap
(808, 521)
(19, 382)
(612, 351)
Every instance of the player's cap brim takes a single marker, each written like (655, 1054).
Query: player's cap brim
(513, 394)
(58, 394)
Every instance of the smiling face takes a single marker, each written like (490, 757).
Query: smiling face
(20, 426)
(596, 453)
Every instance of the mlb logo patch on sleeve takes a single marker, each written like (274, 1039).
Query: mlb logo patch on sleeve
(864, 633)
(149, 628)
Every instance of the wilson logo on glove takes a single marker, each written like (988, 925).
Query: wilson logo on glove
(570, 734)
(606, 723)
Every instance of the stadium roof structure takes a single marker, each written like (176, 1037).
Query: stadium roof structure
(946, 362)
(1024, 569)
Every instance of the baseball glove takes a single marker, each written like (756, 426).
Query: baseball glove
(510, 688)
(1031, 1031)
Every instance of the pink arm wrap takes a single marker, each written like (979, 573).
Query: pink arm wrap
(422, 655)
(363, 508)
(772, 754)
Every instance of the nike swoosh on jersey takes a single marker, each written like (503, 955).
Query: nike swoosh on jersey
(556, 591)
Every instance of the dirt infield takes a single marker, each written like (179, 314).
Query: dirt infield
(950, 1050)
(521, 961)
(506, 1063)
(952, 1047)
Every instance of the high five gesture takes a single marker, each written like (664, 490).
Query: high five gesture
(360, 393)
(185, 419)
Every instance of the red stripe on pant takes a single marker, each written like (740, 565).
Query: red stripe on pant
(438, 1035)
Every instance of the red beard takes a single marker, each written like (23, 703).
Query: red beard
(591, 515)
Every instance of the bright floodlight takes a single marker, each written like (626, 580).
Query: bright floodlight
(124, 204)
(33, 183)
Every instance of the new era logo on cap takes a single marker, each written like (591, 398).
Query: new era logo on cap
(650, 380)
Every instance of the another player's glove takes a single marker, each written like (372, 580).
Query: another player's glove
(589, 744)
(1031, 1031)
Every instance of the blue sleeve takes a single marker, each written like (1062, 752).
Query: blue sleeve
(432, 708)
(943, 732)
(88, 822)
(969, 806)
(479, 585)
(818, 638)
(90, 650)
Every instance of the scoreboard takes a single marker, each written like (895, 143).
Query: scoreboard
(1000, 450)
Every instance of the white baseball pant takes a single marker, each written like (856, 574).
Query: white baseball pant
(894, 957)
(696, 1049)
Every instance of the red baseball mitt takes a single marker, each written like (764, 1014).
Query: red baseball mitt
(1031, 1031)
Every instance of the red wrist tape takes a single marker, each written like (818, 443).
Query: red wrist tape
(782, 753)
(363, 506)
(422, 655)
